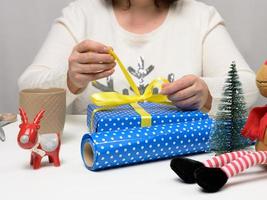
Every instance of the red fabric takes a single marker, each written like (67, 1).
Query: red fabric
(241, 165)
(227, 158)
(256, 124)
(244, 162)
(265, 62)
(229, 169)
(216, 161)
(223, 159)
(234, 164)
(209, 164)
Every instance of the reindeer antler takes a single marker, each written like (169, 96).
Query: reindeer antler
(38, 117)
(23, 115)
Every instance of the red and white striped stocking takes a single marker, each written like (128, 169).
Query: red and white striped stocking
(244, 162)
(221, 160)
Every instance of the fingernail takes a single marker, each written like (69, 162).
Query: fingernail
(165, 85)
(105, 49)
(111, 58)
(161, 91)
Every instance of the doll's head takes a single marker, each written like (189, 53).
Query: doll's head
(262, 79)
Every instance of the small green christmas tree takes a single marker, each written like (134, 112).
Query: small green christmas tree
(226, 133)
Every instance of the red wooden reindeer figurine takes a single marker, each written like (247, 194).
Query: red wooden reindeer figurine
(40, 145)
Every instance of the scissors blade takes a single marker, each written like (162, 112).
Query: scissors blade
(2, 134)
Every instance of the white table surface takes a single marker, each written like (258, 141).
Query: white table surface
(73, 181)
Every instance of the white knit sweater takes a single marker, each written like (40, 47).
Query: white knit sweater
(191, 40)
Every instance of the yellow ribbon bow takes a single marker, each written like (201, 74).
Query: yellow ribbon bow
(110, 100)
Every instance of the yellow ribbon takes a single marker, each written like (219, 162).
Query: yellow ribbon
(125, 72)
(110, 100)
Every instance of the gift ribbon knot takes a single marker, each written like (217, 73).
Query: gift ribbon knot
(109, 100)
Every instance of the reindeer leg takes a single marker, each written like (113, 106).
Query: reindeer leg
(56, 161)
(36, 161)
(56, 158)
(31, 162)
(50, 158)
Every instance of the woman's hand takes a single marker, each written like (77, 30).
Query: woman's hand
(88, 61)
(188, 93)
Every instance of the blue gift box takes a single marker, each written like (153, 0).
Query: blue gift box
(125, 117)
(103, 150)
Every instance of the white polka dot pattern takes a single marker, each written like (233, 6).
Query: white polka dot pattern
(137, 145)
(124, 117)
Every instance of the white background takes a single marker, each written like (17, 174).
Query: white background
(25, 24)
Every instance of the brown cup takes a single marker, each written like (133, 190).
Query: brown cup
(52, 100)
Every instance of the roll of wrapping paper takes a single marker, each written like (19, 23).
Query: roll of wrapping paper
(111, 149)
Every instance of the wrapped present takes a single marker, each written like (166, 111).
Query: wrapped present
(103, 150)
(130, 129)
(125, 116)
(114, 111)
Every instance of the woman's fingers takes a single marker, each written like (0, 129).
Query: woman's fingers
(81, 80)
(191, 103)
(91, 58)
(189, 92)
(94, 68)
(101, 75)
(178, 85)
(92, 52)
(183, 94)
(188, 98)
(89, 61)
(89, 45)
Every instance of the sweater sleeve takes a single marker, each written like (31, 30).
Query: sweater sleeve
(219, 52)
(49, 68)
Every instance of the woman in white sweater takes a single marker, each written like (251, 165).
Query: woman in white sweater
(184, 41)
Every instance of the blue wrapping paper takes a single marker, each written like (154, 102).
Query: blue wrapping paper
(111, 149)
(125, 117)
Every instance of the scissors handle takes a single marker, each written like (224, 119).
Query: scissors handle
(2, 134)
(6, 119)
